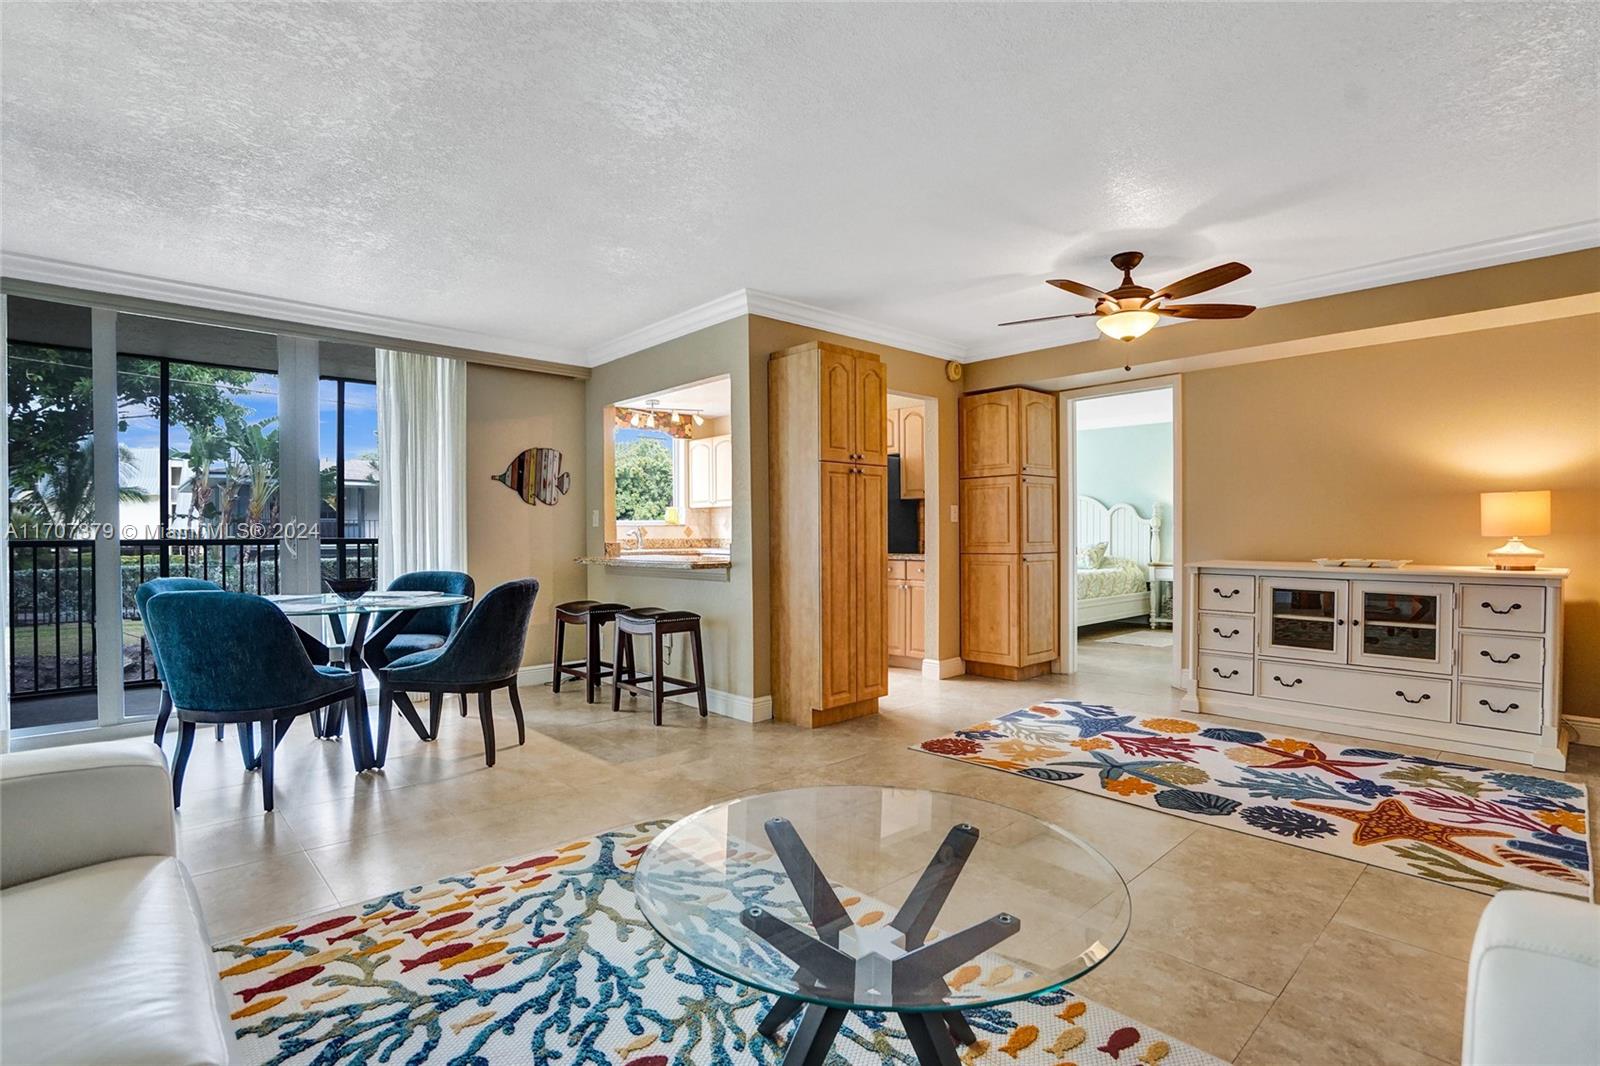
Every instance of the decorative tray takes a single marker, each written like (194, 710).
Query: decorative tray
(1363, 564)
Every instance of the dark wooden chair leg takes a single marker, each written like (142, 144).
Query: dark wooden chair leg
(699, 671)
(333, 722)
(486, 715)
(361, 733)
(555, 680)
(219, 732)
(463, 704)
(402, 699)
(591, 659)
(316, 723)
(247, 745)
(162, 715)
(660, 672)
(268, 747)
(624, 644)
(435, 713)
(180, 760)
(633, 667)
(385, 713)
(516, 712)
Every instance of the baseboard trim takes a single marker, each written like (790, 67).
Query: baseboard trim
(939, 669)
(1585, 730)
(725, 704)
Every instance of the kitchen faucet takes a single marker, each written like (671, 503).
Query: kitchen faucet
(636, 537)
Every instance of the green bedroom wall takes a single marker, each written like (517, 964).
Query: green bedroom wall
(1130, 464)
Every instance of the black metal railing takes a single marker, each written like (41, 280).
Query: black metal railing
(52, 617)
(350, 557)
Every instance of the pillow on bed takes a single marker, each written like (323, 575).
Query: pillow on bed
(1094, 556)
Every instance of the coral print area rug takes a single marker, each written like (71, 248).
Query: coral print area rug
(547, 960)
(1447, 821)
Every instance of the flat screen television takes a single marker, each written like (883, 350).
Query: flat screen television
(905, 526)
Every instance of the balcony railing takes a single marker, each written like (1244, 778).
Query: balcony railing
(53, 603)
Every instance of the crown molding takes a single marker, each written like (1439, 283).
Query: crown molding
(784, 309)
(1555, 241)
(722, 309)
(102, 280)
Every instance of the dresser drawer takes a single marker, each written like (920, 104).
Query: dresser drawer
(1502, 707)
(1227, 632)
(1225, 673)
(1498, 657)
(1519, 608)
(1228, 592)
(1402, 695)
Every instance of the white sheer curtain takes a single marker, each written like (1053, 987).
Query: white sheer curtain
(422, 460)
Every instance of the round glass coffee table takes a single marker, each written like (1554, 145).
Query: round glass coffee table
(856, 898)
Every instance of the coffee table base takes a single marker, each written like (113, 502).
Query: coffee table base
(933, 1035)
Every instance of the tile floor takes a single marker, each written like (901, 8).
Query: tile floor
(1256, 951)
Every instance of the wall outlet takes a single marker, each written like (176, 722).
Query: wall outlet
(955, 514)
(594, 519)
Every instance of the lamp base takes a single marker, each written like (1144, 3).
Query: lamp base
(1515, 555)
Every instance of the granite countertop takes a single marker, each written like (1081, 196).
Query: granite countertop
(661, 560)
(917, 556)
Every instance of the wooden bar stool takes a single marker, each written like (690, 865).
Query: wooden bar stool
(656, 623)
(591, 614)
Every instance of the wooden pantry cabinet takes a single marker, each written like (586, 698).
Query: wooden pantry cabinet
(828, 469)
(906, 427)
(907, 612)
(1009, 533)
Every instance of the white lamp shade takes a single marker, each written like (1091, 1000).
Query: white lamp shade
(1515, 514)
(1127, 325)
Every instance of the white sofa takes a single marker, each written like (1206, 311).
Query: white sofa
(1533, 985)
(104, 955)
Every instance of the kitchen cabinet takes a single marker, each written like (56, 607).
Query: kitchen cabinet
(710, 472)
(907, 612)
(828, 479)
(1009, 533)
(906, 428)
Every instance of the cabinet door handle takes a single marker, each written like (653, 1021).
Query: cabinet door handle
(1502, 662)
(1408, 699)
(1225, 676)
(1230, 594)
(1229, 635)
(1287, 684)
(1497, 710)
(1495, 610)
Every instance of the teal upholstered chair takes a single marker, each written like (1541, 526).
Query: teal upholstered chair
(317, 650)
(427, 629)
(482, 655)
(231, 657)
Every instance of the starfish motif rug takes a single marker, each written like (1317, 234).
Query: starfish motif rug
(546, 959)
(1447, 821)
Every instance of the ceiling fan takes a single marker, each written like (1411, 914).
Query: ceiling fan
(1130, 311)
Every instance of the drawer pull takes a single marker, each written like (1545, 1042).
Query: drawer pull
(1495, 610)
(1502, 662)
(1497, 710)
(1287, 684)
(1408, 699)
(1229, 635)
(1225, 676)
(1230, 594)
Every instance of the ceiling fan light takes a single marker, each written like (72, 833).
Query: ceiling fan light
(1127, 325)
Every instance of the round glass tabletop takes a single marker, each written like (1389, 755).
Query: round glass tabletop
(879, 898)
(368, 603)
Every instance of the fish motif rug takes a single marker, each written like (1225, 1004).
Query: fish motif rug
(1447, 821)
(547, 960)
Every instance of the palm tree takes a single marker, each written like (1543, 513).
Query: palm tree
(258, 454)
(64, 497)
(205, 447)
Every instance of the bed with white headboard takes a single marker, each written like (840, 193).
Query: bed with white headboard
(1119, 587)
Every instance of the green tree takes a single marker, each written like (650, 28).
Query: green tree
(644, 480)
(50, 507)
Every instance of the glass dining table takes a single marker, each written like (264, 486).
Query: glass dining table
(355, 643)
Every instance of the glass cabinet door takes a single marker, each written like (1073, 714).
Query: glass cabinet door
(1400, 624)
(1303, 618)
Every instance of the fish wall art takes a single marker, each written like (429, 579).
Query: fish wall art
(536, 476)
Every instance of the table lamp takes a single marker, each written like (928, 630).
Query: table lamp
(1515, 515)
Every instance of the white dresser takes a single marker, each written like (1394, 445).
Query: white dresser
(1462, 658)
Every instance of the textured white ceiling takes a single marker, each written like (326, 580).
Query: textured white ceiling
(563, 174)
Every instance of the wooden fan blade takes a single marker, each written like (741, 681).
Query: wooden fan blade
(1048, 318)
(1078, 288)
(1205, 310)
(1206, 279)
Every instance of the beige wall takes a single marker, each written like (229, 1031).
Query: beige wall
(1382, 451)
(733, 612)
(916, 375)
(508, 411)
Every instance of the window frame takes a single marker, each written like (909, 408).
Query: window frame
(340, 542)
(680, 476)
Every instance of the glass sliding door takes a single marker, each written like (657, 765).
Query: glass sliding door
(347, 429)
(50, 536)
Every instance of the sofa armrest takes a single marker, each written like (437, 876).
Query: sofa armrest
(1533, 984)
(65, 808)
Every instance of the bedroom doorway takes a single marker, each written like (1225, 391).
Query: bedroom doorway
(1120, 515)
